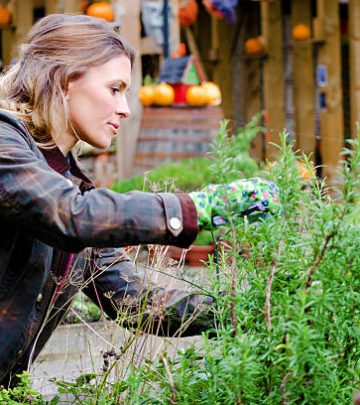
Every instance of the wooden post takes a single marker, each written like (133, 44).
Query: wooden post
(354, 44)
(23, 18)
(50, 7)
(223, 72)
(331, 113)
(72, 6)
(273, 72)
(303, 76)
(127, 138)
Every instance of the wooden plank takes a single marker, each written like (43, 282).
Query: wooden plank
(72, 6)
(50, 7)
(303, 78)
(331, 116)
(22, 18)
(7, 42)
(128, 134)
(273, 72)
(354, 45)
(222, 73)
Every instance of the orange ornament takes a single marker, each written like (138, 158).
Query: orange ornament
(101, 9)
(254, 46)
(164, 94)
(146, 95)
(212, 92)
(188, 11)
(196, 96)
(301, 32)
(5, 16)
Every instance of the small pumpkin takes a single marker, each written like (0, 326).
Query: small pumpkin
(212, 92)
(101, 9)
(164, 94)
(188, 11)
(5, 15)
(146, 95)
(254, 46)
(196, 96)
(301, 32)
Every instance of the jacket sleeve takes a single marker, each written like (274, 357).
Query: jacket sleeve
(112, 282)
(38, 200)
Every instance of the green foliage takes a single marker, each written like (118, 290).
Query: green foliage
(193, 174)
(287, 314)
(83, 309)
(185, 175)
(23, 394)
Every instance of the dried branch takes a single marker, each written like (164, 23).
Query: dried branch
(170, 378)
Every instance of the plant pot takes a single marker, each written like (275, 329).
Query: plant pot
(197, 254)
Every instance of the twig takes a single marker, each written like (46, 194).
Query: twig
(283, 388)
(268, 296)
(170, 378)
(318, 260)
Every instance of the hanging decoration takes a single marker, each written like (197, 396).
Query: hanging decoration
(223, 9)
(188, 11)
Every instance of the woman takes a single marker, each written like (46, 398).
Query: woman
(58, 233)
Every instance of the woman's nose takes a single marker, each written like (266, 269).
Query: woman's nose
(123, 109)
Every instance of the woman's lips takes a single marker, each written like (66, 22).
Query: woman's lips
(114, 126)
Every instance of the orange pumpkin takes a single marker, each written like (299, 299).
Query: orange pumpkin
(146, 95)
(196, 96)
(188, 11)
(5, 16)
(212, 92)
(254, 46)
(164, 94)
(301, 32)
(101, 9)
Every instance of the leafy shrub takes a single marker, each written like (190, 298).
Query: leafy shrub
(192, 174)
(286, 316)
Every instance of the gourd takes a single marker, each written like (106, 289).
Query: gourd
(164, 94)
(101, 9)
(301, 32)
(254, 46)
(188, 11)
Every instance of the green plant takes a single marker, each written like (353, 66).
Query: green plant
(23, 394)
(286, 316)
(192, 174)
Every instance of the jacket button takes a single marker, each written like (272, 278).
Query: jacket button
(39, 298)
(175, 223)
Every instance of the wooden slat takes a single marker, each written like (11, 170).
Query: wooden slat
(354, 44)
(23, 18)
(50, 7)
(331, 118)
(303, 77)
(273, 72)
(126, 140)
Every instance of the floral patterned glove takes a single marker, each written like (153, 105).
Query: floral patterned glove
(255, 198)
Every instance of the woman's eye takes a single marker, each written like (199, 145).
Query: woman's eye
(115, 90)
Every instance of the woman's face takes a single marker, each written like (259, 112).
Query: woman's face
(97, 102)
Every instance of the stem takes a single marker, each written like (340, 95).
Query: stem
(170, 378)
(318, 260)
(268, 297)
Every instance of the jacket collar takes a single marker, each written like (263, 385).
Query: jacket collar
(57, 161)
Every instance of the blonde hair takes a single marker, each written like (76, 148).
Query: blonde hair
(58, 49)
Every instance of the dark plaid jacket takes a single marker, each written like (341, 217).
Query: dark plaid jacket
(51, 216)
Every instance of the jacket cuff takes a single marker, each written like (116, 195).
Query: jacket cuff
(190, 224)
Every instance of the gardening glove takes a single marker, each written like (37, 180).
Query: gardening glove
(256, 198)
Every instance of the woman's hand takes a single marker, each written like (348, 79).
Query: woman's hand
(255, 198)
